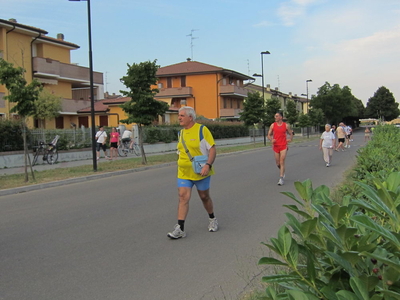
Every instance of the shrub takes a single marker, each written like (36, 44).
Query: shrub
(11, 135)
(338, 252)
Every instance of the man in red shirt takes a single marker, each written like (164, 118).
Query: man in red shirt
(277, 134)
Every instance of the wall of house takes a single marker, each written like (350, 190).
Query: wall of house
(55, 52)
(62, 89)
(204, 88)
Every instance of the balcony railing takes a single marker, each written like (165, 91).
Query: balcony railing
(177, 92)
(230, 112)
(49, 68)
(232, 90)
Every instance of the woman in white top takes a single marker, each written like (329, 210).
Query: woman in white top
(327, 144)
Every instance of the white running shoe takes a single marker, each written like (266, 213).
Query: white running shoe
(327, 164)
(280, 182)
(177, 233)
(213, 225)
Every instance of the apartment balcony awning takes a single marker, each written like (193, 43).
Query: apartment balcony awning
(232, 90)
(179, 92)
(47, 81)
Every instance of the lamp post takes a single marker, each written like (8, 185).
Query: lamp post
(263, 90)
(92, 116)
(307, 81)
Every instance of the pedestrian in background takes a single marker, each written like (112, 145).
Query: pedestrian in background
(277, 134)
(327, 144)
(114, 142)
(367, 134)
(341, 134)
(101, 138)
(191, 137)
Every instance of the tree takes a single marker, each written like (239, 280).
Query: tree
(253, 109)
(24, 96)
(316, 116)
(382, 105)
(336, 103)
(273, 105)
(142, 109)
(47, 106)
(292, 113)
(304, 121)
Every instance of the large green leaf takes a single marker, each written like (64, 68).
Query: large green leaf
(360, 286)
(299, 211)
(304, 189)
(324, 214)
(329, 293)
(392, 183)
(271, 261)
(346, 295)
(390, 294)
(311, 266)
(300, 295)
(281, 278)
(331, 234)
(343, 263)
(292, 196)
(367, 222)
(377, 202)
(293, 254)
(308, 226)
(285, 240)
(337, 212)
(295, 224)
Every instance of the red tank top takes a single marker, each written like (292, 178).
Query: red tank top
(280, 134)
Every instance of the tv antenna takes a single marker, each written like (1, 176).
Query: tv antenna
(191, 40)
(106, 80)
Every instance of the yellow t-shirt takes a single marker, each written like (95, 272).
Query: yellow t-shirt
(195, 147)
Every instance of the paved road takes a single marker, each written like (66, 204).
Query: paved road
(106, 239)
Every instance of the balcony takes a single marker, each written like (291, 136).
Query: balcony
(178, 92)
(230, 112)
(52, 69)
(232, 90)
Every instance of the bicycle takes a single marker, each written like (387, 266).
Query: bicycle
(49, 153)
(123, 148)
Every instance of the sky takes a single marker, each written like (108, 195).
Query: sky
(354, 43)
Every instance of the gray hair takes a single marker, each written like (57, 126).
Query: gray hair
(329, 125)
(189, 111)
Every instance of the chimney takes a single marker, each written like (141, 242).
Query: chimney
(188, 59)
(290, 93)
(60, 36)
(268, 86)
(13, 20)
(276, 89)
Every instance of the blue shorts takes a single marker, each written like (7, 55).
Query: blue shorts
(201, 185)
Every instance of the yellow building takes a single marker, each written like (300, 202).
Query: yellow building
(212, 91)
(48, 60)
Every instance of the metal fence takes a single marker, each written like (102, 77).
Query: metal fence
(69, 138)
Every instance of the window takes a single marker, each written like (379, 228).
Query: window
(183, 81)
(103, 120)
(225, 103)
(83, 121)
(169, 82)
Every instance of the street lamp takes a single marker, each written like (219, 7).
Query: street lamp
(263, 90)
(92, 116)
(307, 81)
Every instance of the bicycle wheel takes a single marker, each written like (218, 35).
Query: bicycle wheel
(122, 151)
(35, 157)
(136, 149)
(52, 156)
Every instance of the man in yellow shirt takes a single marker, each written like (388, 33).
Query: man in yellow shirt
(199, 141)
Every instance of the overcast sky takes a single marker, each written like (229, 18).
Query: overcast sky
(348, 42)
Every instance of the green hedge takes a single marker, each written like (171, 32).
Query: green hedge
(11, 135)
(219, 130)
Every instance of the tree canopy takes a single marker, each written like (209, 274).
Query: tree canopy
(47, 105)
(253, 109)
(382, 105)
(292, 113)
(336, 103)
(142, 109)
(273, 105)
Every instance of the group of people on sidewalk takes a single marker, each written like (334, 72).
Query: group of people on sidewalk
(196, 140)
(115, 139)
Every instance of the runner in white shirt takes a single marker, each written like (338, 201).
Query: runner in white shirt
(327, 144)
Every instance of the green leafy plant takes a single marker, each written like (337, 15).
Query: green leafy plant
(347, 251)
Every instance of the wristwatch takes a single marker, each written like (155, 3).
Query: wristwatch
(210, 165)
